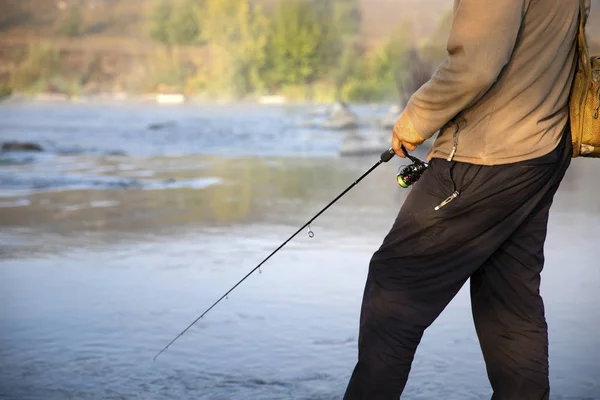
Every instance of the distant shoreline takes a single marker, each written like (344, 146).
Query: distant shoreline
(155, 99)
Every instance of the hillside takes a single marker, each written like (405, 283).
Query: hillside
(126, 19)
(112, 45)
(117, 18)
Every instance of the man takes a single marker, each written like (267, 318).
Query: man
(480, 211)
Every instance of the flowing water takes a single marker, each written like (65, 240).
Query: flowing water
(137, 217)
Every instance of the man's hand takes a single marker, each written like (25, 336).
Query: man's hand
(405, 135)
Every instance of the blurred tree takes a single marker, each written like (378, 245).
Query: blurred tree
(401, 64)
(159, 20)
(301, 47)
(416, 73)
(300, 44)
(348, 68)
(343, 16)
(184, 22)
(167, 70)
(40, 64)
(342, 20)
(393, 70)
(5, 90)
(347, 16)
(72, 24)
(392, 60)
(236, 35)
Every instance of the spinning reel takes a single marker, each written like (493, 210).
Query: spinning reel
(407, 174)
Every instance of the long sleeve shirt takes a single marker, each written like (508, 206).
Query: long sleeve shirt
(501, 95)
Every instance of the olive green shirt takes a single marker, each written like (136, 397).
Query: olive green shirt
(501, 95)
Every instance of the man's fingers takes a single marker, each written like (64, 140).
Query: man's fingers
(397, 146)
(409, 146)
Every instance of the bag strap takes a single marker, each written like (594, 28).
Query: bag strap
(582, 46)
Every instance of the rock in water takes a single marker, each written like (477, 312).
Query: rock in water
(21, 146)
(161, 125)
(118, 153)
(341, 117)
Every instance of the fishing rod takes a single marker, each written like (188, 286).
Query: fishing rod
(406, 176)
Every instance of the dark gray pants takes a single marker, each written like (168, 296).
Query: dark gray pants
(494, 234)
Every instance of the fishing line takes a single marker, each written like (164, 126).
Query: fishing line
(406, 177)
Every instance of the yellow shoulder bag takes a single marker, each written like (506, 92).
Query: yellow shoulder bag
(584, 102)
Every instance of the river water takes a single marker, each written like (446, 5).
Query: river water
(137, 217)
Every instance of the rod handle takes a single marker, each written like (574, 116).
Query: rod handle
(387, 155)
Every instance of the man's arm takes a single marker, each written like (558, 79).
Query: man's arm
(481, 42)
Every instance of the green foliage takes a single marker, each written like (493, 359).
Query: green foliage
(236, 34)
(176, 22)
(167, 71)
(323, 92)
(17, 56)
(298, 49)
(5, 90)
(376, 76)
(295, 92)
(368, 77)
(72, 24)
(367, 91)
(347, 16)
(394, 70)
(348, 67)
(183, 25)
(159, 20)
(70, 86)
(393, 60)
(302, 49)
(343, 16)
(41, 63)
(400, 64)
(40, 70)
